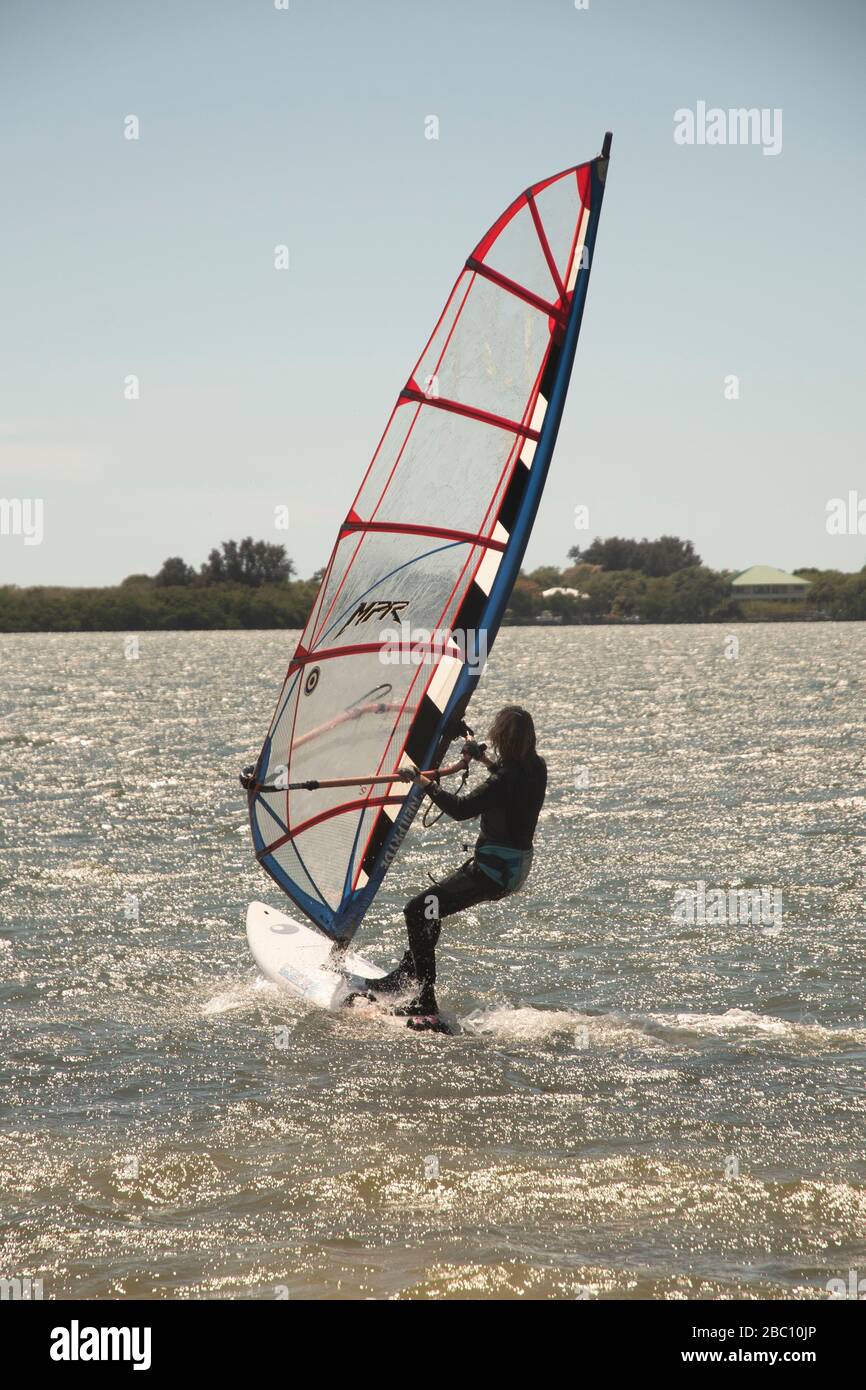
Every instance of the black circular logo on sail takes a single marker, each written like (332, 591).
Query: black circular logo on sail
(312, 681)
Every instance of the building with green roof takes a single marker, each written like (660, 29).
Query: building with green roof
(765, 582)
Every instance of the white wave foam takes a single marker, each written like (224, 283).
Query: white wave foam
(523, 1024)
(528, 1024)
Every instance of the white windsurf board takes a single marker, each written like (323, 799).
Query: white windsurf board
(298, 958)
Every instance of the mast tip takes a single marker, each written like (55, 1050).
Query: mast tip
(606, 144)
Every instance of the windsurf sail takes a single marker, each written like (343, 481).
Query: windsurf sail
(426, 558)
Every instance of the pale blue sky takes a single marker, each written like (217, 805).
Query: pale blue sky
(262, 388)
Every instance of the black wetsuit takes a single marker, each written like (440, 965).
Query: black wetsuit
(508, 803)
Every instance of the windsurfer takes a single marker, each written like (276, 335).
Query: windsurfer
(508, 803)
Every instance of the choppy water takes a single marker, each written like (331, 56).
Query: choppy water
(614, 1062)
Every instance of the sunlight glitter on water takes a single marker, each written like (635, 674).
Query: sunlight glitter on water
(633, 1106)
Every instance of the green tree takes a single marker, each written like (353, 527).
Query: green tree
(601, 589)
(547, 577)
(525, 599)
(700, 595)
(615, 553)
(247, 562)
(665, 556)
(175, 571)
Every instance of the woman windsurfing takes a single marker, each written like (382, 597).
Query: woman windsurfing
(508, 803)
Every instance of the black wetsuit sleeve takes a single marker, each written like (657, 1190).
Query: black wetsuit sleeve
(490, 794)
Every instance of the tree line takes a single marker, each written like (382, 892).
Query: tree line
(251, 584)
